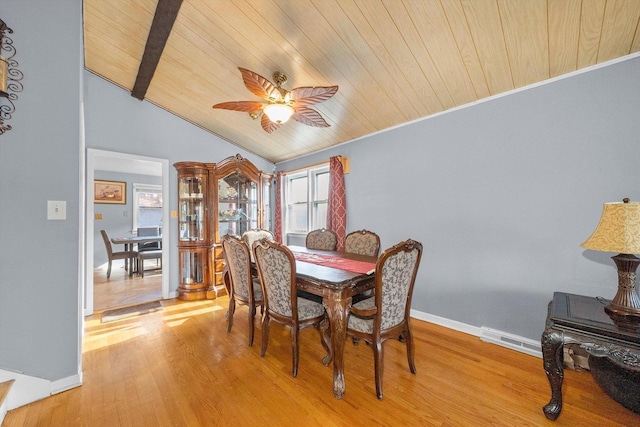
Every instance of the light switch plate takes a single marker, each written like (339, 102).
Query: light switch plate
(56, 209)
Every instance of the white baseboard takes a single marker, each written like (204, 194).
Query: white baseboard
(504, 339)
(28, 389)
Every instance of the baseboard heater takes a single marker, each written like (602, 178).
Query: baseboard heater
(513, 342)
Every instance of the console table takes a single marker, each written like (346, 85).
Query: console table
(582, 320)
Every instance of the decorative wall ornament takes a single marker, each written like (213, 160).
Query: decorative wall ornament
(10, 77)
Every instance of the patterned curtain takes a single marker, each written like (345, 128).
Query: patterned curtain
(337, 205)
(277, 226)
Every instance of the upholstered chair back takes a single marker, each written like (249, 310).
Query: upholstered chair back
(275, 263)
(251, 236)
(322, 239)
(395, 277)
(236, 254)
(398, 276)
(362, 242)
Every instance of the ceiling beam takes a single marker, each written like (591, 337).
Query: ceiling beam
(163, 19)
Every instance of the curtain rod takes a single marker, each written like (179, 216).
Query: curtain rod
(343, 160)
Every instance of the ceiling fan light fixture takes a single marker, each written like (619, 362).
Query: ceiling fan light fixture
(278, 113)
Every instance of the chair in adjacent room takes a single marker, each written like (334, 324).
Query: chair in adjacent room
(277, 271)
(149, 250)
(149, 254)
(244, 289)
(385, 315)
(126, 255)
(322, 239)
(362, 242)
(251, 236)
(149, 232)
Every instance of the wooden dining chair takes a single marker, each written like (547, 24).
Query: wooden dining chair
(277, 271)
(323, 239)
(386, 314)
(149, 254)
(243, 288)
(362, 242)
(126, 255)
(251, 236)
(148, 232)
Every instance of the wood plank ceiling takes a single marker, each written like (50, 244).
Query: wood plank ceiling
(394, 61)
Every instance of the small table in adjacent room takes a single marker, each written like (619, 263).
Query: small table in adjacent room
(614, 353)
(129, 241)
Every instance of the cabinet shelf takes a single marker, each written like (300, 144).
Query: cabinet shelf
(243, 201)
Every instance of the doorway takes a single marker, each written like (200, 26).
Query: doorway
(108, 161)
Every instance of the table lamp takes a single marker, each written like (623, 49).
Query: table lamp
(619, 231)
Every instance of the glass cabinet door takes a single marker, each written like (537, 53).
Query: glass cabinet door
(191, 216)
(237, 204)
(192, 271)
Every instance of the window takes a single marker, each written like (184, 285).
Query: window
(147, 206)
(306, 195)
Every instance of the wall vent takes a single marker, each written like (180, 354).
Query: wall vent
(513, 342)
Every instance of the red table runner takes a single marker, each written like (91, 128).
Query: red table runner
(354, 266)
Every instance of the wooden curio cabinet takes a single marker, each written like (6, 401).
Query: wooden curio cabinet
(194, 243)
(215, 199)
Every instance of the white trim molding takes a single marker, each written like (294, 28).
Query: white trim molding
(504, 339)
(28, 389)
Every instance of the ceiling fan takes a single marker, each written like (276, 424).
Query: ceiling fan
(279, 104)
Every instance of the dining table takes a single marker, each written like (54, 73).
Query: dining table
(336, 277)
(130, 241)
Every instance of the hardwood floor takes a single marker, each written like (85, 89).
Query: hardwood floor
(123, 290)
(179, 367)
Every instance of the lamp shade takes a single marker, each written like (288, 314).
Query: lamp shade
(278, 113)
(618, 230)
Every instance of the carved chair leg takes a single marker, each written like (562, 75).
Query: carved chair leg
(325, 336)
(295, 351)
(265, 334)
(232, 309)
(325, 339)
(408, 339)
(378, 366)
(252, 315)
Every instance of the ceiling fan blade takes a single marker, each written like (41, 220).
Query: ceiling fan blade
(245, 106)
(306, 96)
(267, 124)
(309, 117)
(258, 85)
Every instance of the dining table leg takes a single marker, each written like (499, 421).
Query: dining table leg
(127, 247)
(338, 310)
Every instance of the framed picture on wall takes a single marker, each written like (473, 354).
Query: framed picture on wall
(114, 192)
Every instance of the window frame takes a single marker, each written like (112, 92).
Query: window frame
(313, 203)
(143, 188)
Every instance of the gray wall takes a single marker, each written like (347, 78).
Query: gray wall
(40, 161)
(501, 194)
